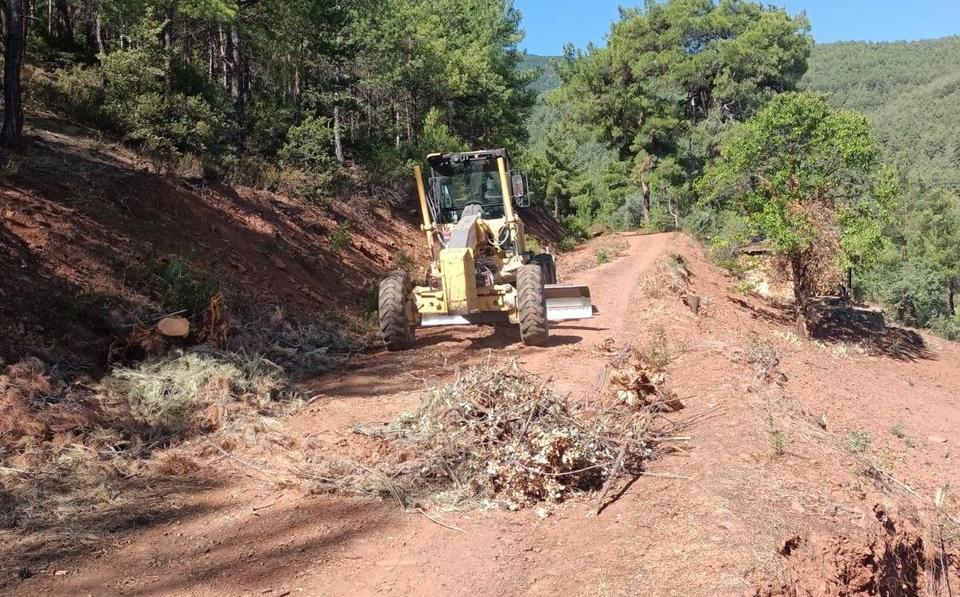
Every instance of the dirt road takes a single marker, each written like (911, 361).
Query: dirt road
(762, 469)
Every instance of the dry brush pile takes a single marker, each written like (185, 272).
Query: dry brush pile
(497, 436)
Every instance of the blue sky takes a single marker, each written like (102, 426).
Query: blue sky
(551, 23)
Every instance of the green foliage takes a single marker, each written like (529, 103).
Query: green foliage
(163, 121)
(915, 292)
(947, 327)
(808, 178)
(309, 147)
(76, 93)
(910, 93)
(184, 288)
(303, 82)
(542, 67)
(603, 254)
(859, 441)
(650, 109)
(340, 238)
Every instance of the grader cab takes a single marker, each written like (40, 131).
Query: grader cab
(482, 272)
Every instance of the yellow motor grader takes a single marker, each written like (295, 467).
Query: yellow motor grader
(482, 272)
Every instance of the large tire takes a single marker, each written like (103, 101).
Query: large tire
(532, 306)
(396, 329)
(548, 264)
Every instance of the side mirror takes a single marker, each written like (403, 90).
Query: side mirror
(519, 183)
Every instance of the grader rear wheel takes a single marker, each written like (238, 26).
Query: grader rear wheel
(532, 305)
(395, 302)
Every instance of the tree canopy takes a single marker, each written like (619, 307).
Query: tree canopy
(809, 179)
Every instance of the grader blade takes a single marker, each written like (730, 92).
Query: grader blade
(568, 302)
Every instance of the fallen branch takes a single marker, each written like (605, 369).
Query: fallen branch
(438, 522)
(238, 460)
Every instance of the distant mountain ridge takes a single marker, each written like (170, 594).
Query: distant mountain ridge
(910, 91)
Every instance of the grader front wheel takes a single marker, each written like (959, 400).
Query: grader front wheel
(532, 306)
(396, 327)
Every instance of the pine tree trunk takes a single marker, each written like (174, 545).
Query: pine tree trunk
(64, 24)
(237, 84)
(98, 32)
(951, 297)
(337, 142)
(646, 201)
(224, 59)
(800, 294)
(298, 96)
(397, 125)
(15, 33)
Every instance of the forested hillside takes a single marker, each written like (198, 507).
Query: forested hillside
(911, 94)
(277, 93)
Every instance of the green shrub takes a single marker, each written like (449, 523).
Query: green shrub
(76, 93)
(267, 125)
(946, 327)
(568, 243)
(660, 219)
(307, 160)
(859, 441)
(603, 254)
(727, 233)
(309, 147)
(340, 238)
(254, 171)
(166, 122)
(183, 288)
(437, 137)
(915, 293)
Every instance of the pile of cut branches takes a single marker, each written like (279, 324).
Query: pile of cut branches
(500, 436)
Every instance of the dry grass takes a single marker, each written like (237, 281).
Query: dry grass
(499, 436)
(81, 460)
(670, 277)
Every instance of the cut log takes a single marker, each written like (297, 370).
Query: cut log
(174, 327)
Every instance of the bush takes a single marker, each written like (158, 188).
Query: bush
(340, 238)
(946, 327)
(437, 137)
(164, 121)
(915, 292)
(660, 219)
(185, 289)
(256, 172)
(307, 160)
(76, 93)
(309, 147)
(727, 232)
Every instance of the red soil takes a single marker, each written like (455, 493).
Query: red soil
(772, 498)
